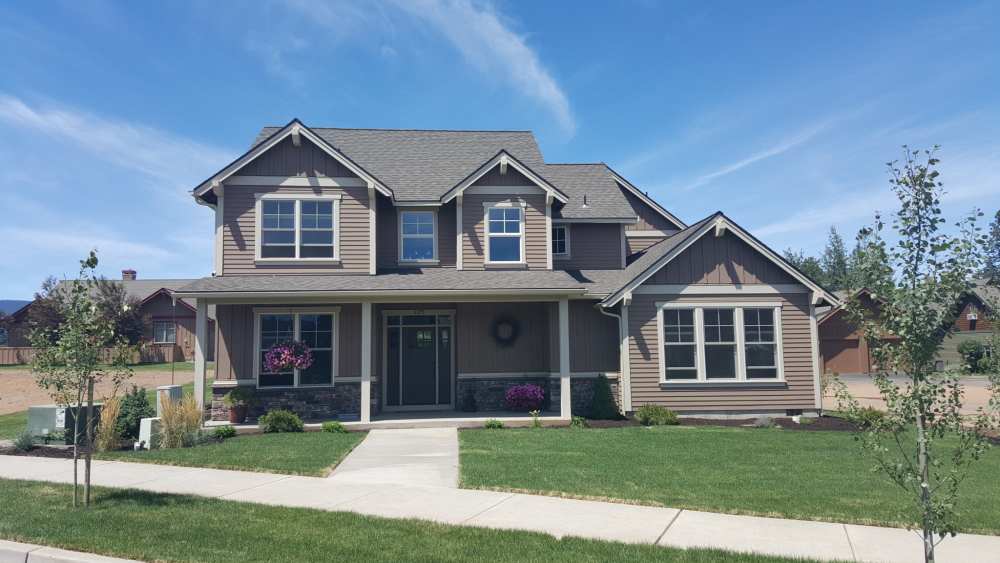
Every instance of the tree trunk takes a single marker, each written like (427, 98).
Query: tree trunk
(76, 445)
(90, 441)
(923, 466)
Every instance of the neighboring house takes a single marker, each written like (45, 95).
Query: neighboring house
(169, 328)
(972, 322)
(427, 270)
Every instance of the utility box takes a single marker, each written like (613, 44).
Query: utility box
(52, 420)
(165, 393)
(149, 433)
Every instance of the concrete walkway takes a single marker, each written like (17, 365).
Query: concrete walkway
(425, 457)
(31, 553)
(344, 491)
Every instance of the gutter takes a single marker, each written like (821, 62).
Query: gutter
(624, 367)
(387, 293)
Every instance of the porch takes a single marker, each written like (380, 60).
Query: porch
(387, 364)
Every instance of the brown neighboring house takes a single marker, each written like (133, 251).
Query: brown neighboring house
(430, 270)
(169, 330)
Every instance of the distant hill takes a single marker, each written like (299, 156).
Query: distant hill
(8, 306)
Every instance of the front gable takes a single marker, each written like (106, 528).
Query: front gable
(721, 260)
(285, 159)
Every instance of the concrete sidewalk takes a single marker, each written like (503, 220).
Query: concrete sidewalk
(413, 456)
(555, 516)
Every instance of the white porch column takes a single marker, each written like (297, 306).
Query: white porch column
(565, 406)
(200, 347)
(366, 361)
(814, 344)
(625, 377)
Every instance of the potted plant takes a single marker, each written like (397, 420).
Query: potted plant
(238, 400)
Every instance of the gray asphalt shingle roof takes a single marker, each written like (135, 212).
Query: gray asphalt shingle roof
(422, 165)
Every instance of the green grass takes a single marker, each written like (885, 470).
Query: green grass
(13, 424)
(805, 475)
(152, 526)
(306, 453)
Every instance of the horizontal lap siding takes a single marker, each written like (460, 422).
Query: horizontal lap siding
(644, 350)
(638, 244)
(236, 340)
(474, 229)
(239, 231)
(721, 260)
(592, 246)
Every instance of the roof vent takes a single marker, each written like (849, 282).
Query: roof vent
(585, 205)
(129, 275)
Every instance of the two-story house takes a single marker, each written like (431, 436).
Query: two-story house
(427, 270)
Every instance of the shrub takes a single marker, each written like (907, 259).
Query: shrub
(972, 351)
(603, 406)
(107, 437)
(281, 420)
(24, 442)
(224, 432)
(238, 396)
(493, 424)
(135, 406)
(655, 415)
(334, 427)
(985, 364)
(763, 422)
(180, 423)
(526, 397)
(578, 422)
(868, 417)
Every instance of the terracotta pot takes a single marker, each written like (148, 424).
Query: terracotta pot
(238, 414)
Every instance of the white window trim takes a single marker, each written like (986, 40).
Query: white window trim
(487, 235)
(564, 255)
(257, 312)
(434, 236)
(298, 199)
(162, 321)
(699, 328)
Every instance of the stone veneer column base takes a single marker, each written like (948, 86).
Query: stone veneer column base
(310, 403)
(490, 392)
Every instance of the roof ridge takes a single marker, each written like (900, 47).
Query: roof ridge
(576, 163)
(412, 130)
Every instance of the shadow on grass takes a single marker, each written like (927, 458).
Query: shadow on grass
(136, 497)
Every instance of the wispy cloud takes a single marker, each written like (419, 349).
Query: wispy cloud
(476, 29)
(157, 154)
(788, 143)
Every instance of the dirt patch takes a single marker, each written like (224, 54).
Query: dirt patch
(18, 389)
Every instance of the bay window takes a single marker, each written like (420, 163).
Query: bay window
(714, 343)
(417, 236)
(504, 234)
(315, 329)
(297, 228)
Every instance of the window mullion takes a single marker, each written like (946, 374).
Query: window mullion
(699, 338)
(298, 227)
(741, 365)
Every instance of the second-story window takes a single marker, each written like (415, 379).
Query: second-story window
(416, 232)
(504, 234)
(298, 228)
(560, 241)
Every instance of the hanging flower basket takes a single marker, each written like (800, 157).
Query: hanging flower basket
(287, 355)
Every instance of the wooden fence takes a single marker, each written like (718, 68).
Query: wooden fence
(156, 353)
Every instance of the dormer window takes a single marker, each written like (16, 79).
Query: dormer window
(505, 233)
(417, 236)
(297, 228)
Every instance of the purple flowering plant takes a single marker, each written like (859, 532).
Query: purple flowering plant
(526, 397)
(287, 355)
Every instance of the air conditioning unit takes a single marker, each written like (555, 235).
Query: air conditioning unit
(53, 421)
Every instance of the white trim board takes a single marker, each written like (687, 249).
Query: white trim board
(503, 160)
(296, 181)
(719, 289)
(649, 234)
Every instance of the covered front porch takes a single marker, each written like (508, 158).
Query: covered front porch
(379, 363)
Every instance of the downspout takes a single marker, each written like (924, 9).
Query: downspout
(624, 377)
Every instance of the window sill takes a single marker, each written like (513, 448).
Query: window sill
(505, 265)
(763, 384)
(418, 263)
(296, 261)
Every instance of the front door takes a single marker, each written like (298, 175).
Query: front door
(418, 360)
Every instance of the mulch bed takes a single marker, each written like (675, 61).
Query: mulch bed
(60, 452)
(819, 423)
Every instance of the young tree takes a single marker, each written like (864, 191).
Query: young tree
(923, 443)
(834, 261)
(70, 360)
(806, 264)
(991, 266)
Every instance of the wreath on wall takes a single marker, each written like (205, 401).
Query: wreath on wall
(505, 330)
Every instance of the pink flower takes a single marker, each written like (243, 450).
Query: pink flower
(288, 355)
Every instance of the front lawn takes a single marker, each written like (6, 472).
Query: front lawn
(13, 424)
(159, 527)
(795, 474)
(305, 453)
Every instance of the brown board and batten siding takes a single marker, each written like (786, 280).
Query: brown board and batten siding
(592, 246)
(236, 340)
(722, 261)
(239, 231)
(387, 225)
(285, 159)
(649, 218)
(474, 229)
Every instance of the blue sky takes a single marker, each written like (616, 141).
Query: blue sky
(780, 114)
